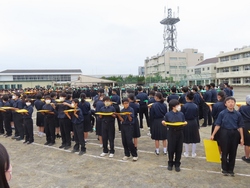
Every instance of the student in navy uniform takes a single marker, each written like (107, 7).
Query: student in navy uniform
(230, 122)
(214, 93)
(198, 100)
(127, 130)
(245, 112)
(7, 116)
(53, 96)
(98, 105)
(175, 135)
(28, 122)
(216, 109)
(159, 131)
(39, 116)
(17, 117)
(227, 90)
(116, 102)
(143, 97)
(64, 121)
(207, 96)
(49, 122)
(173, 95)
(182, 98)
(135, 106)
(77, 120)
(151, 100)
(191, 130)
(108, 128)
(1, 117)
(86, 112)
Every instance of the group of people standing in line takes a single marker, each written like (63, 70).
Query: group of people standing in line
(59, 111)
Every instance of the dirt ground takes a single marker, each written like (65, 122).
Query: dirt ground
(39, 166)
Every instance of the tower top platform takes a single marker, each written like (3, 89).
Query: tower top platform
(170, 21)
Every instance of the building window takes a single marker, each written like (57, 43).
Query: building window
(182, 67)
(1, 86)
(226, 69)
(192, 70)
(197, 71)
(214, 68)
(246, 67)
(13, 86)
(19, 86)
(235, 68)
(173, 58)
(208, 68)
(225, 80)
(42, 77)
(173, 67)
(246, 55)
(224, 59)
(236, 81)
(218, 70)
(246, 80)
(188, 70)
(6, 86)
(167, 72)
(234, 57)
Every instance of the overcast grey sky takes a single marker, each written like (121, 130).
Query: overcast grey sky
(113, 36)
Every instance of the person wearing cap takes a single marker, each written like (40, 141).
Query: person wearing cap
(245, 112)
(230, 123)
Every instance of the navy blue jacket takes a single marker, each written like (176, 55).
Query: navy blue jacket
(217, 108)
(229, 120)
(125, 118)
(143, 98)
(30, 111)
(172, 96)
(245, 112)
(85, 107)
(158, 110)
(190, 111)
(80, 118)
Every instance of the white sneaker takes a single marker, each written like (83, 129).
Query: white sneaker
(135, 158)
(149, 134)
(125, 158)
(185, 154)
(103, 154)
(111, 155)
(148, 128)
(193, 155)
(101, 145)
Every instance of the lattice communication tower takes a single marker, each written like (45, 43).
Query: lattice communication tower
(170, 33)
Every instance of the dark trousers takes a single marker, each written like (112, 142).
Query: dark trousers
(79, 137)
(207, 115)
(229, 140)
(49, 126)
(7, 125)
(117, 109)
(1, 123)
(28, 128)
(18, 122)
(65, 128)
(127, 132)
(175, 144)
(143, 110)
(108, 134)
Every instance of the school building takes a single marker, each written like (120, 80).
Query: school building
(234, 67)
(172, 64)
(18, 78)
(203, 73)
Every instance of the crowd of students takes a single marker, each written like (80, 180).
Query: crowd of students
(65, 113)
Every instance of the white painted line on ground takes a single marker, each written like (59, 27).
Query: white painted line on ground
(89, 155)
(208, 171)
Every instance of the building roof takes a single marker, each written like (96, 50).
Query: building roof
(208, 61)
(25, 71)
(84, 79)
